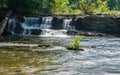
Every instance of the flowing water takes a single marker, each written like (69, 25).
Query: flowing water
(32, 25)
(67, 24)
(19, 54)
(101, 56)
(46, 23)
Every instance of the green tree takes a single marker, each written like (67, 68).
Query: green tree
(23, 6)
(3, 4)
(86, 6)
(112, 4)
(74, 6)
(101, 6)
(118, 5)
(60, 7)
(92, 6)
(46, 6)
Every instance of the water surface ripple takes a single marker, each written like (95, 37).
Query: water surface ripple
(101, 56)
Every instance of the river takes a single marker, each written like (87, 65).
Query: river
(101, 56)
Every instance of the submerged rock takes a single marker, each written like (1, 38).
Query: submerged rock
(23, 47)
(73, 48)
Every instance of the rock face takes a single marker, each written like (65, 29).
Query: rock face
(86, 23)
(57, 23)
(103, 24)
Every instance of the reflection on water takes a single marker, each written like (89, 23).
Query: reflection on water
(101, 57)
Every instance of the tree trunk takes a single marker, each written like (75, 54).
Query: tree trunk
(4, 22)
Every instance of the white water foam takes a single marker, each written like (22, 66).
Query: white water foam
(54, 33)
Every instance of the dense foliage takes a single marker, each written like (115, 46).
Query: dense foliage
(60, 6)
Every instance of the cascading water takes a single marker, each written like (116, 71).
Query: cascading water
(67, 24)
(25, 28)
(11, 26)
(39, 26)
(47, 31)
(30, 24)
(46, 23)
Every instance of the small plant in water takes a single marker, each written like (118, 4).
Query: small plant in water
(75, 41)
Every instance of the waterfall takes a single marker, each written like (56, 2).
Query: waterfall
(11, 26)
(31, 23)
(39, 26)
(67, 24)
(46, 22)
(47, 30)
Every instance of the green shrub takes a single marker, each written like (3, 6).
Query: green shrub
(75, 41)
